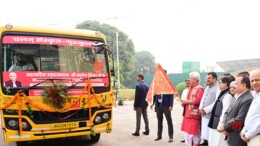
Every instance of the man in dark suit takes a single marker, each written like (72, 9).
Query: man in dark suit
(12, 82)
(235, 115)
(163, 105)
(140, 105)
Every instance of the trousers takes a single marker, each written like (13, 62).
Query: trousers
(160, 110)
(141, 111)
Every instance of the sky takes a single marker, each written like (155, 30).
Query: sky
(172, 30)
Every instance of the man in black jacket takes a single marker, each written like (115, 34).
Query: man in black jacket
(163, 105)
(140, 105)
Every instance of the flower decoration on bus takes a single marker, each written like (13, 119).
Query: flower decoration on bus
(55, 95)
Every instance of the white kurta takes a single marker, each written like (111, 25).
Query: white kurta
(216, 138)
(209, 93)
(255, 141)
(205, 128)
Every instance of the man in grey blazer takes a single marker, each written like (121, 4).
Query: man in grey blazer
(235, 115)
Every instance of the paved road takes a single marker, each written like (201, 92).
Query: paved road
(123, 126)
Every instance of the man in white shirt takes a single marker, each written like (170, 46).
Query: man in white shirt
(184, 95)
(251, 131)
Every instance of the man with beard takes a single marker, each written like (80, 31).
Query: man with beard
(21, 64)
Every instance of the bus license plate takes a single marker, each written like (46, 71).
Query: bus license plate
(65, 125)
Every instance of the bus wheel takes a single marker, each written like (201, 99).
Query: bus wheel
(22, 143)
(94, 139)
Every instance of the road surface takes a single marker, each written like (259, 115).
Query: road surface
(123, 127)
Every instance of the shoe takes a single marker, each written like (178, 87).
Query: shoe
(135, 134)
(146, 132)
(183, 140)
(158, 138)
(204, 143)
(170, 140)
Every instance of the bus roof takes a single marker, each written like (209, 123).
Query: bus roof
(52, 30)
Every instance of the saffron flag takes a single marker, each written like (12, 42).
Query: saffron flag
(161, 84)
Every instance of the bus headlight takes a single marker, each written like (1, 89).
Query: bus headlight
(25, 125)
(105, 116)
(98, 119)
(13, 123)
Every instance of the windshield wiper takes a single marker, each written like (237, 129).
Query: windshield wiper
(81, 80)
(73, 85)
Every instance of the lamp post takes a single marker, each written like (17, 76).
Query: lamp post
(117, 54)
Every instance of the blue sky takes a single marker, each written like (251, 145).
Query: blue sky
(173, 31)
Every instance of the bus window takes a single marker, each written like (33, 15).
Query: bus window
(52, 57)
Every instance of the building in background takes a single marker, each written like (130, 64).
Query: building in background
(239, 65)
(190, 66)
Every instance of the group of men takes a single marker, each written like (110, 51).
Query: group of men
(241, 120)
(163, 105)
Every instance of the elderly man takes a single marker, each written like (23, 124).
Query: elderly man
(236, 113)
(251, 130)
(13, 82)
(207, 103)
(192, 118)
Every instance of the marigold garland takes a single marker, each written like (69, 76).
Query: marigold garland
(92, 131)
(20, 113)
(9, 103)
(29, 102)
(108, 128)
(29, 109)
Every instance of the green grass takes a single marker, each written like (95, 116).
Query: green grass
(129, 95)
(126, 94)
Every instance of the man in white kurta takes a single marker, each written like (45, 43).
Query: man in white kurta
(184, 95)
(251, 130)
(207, 103)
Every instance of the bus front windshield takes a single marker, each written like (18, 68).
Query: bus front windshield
(27, 60)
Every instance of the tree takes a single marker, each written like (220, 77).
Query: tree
(144, 64)
(125, 45)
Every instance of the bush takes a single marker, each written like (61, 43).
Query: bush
(180, 87)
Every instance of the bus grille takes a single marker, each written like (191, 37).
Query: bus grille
(40, 117)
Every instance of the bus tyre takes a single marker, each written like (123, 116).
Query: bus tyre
(94, 139)
(22, 143)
